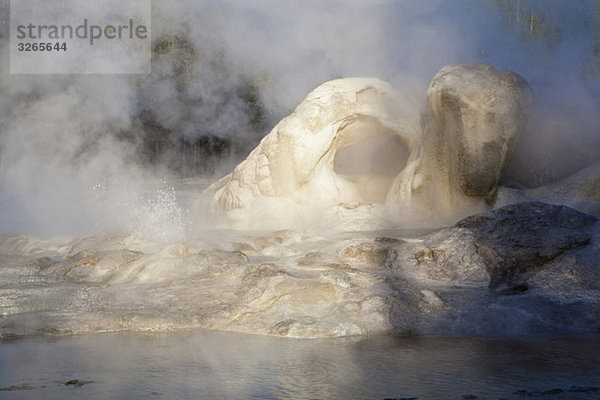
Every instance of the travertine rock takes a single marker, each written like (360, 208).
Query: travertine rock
(474, 115)
(290, 178)
(356, 141)
(544, 259)
(520, 238)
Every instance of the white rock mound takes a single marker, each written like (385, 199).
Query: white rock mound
(357, 141)
(294, 174)
(474, 115)
(522, 270)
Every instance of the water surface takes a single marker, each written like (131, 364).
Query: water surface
(210, 364)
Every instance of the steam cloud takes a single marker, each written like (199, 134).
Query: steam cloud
(78, 153)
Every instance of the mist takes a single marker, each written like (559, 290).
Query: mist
(85, 153)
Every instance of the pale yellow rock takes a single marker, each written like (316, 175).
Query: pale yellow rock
(358, 141)
(290, 178)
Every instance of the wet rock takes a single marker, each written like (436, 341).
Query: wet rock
(384, 240)
(572, 277)
(541, 261)
(448, 256)
(538, 393)
(402, 398)
(553, 391)
(282, 328)
(42, 262)
(264, 270)
(15, 388)
(431, 303)
(373, 253)
(77, 383)
(584, 389)
(433, 285)
(118, 266)
(520, 238)
(13, 243)
(92, 266)
(517, 289)
(427, 254)
(215, 262)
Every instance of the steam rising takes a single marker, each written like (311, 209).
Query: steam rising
(80, 153)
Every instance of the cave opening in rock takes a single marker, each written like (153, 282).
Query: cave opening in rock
(371, 158)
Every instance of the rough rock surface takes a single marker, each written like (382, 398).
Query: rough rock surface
(519, 238)
(474, 114)
(541, 261)
(290, 177)
(528, 268)
(437, 172)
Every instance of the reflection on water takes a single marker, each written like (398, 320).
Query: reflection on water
(208, 364)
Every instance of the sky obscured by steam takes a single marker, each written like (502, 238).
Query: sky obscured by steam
(70, 160)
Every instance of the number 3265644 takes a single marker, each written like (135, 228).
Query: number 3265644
(42, 46)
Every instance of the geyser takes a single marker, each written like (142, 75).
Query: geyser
(474, 116)
(291, 178)
(350, 144)
(356, 156)
(351, 141)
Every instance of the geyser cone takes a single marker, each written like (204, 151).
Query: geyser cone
(292, 176)
(356, 141)
(475, 113)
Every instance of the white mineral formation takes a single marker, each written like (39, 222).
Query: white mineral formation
(292, 176)
(352, 153)
(525, 269)
(356, 141)
(474, 115)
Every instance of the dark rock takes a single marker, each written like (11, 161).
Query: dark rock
(519, 238)
(77, 383)
(426, 254)
(402, 398)
(15, 388)
(43, 262)
(282, 328)
(264, 270)
(553, 391)
(448, 256)
(584, 389)
(517, 289)
(384, 240)
(538, 393)
(376, 253)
